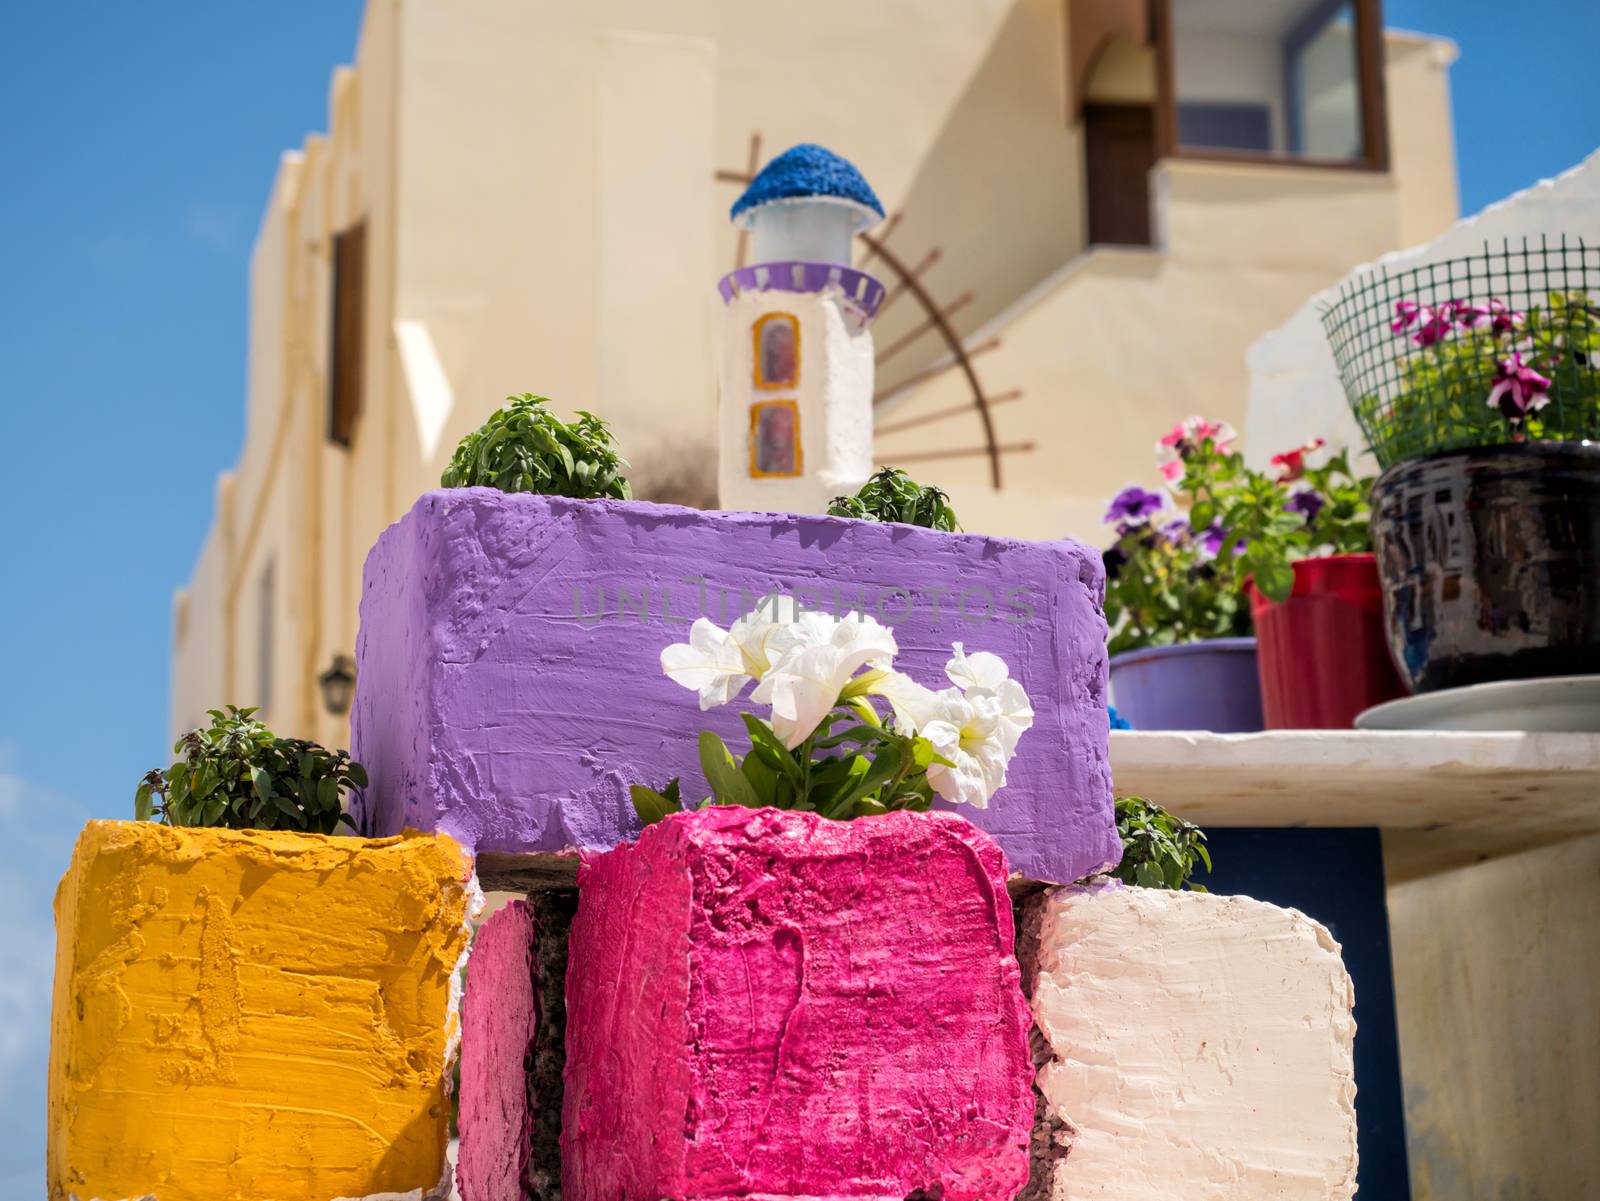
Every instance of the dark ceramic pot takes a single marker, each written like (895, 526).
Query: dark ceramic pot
(1490, 563)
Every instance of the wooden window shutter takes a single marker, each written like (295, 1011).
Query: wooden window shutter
(347, 355)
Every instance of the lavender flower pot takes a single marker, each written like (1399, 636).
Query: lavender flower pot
(1211, 685)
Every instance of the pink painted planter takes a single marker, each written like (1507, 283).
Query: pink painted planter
(499, 1018)
(769, 1003)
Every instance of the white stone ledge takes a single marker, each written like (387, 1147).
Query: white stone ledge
(1442, 799)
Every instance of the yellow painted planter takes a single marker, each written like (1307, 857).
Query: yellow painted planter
(253, 1015)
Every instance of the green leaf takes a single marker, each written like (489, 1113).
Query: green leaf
(762, 778)
(728, 784)
(923, 756)
(771, 748)
(650, 805)
(287, 807)
(262, 782)
(1275, 578)
(883, 769)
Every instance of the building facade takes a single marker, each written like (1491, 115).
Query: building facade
(1094, 207)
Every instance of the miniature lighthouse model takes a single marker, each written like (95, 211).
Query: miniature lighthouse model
(797, 358)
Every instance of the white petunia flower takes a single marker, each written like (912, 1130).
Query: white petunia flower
(964, 728)
(718, 663)
(989, 672)
(912, 702)
(975, 725)
(807, 681)
(710, 663)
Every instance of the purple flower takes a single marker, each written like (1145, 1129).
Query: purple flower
(1211, 540)
(1496, 316)
(1405, 316)
(1133, 505)
(1434, 325)
(1176, 532)
(1307, 502)
(1518, 389)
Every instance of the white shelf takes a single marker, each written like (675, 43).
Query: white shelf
(1442, 799)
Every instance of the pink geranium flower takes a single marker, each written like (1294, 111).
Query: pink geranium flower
(1293, 462)
(1405, 316)
(1184, 439)
(1518, 386)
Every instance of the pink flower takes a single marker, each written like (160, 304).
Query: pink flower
(1496, 316)
(1195, 429)
(1435, 325)
(1293, 462)
(1518, 386)
(1184, 439)
(1405, 316)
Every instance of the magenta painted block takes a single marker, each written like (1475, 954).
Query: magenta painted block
(510, 685)
(772, 1004)
(499, 1019)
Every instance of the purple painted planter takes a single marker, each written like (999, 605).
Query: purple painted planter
(510, 685)
(1211, 685)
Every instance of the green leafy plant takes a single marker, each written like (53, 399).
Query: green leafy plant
(1158, 849)
(237, 774)
(524, 447)
(874, 770)
(892, 495)
(1263, 523)
(1178, 566)
(1486, 374)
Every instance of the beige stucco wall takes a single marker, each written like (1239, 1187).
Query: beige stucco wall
(1115, 345)
(1499, 1016)
(539, 185)
(295, 501)
(199, 632)
(1121, 343)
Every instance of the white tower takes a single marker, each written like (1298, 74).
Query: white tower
(797, 357)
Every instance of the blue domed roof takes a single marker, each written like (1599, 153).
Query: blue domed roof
(806, 171)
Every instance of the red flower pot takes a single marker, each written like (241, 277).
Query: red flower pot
(1322, 653)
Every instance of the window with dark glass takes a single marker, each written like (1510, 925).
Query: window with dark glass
(348, 320)
(1282, 78)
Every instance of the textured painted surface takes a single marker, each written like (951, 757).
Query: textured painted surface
(499, 1019)
(253, 1016)
(489, 709)
(1198, 1046)
(773, 1004)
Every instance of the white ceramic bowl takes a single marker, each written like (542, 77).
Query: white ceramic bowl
(1563, 704)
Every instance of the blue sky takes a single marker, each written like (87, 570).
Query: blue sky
(139, 142)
